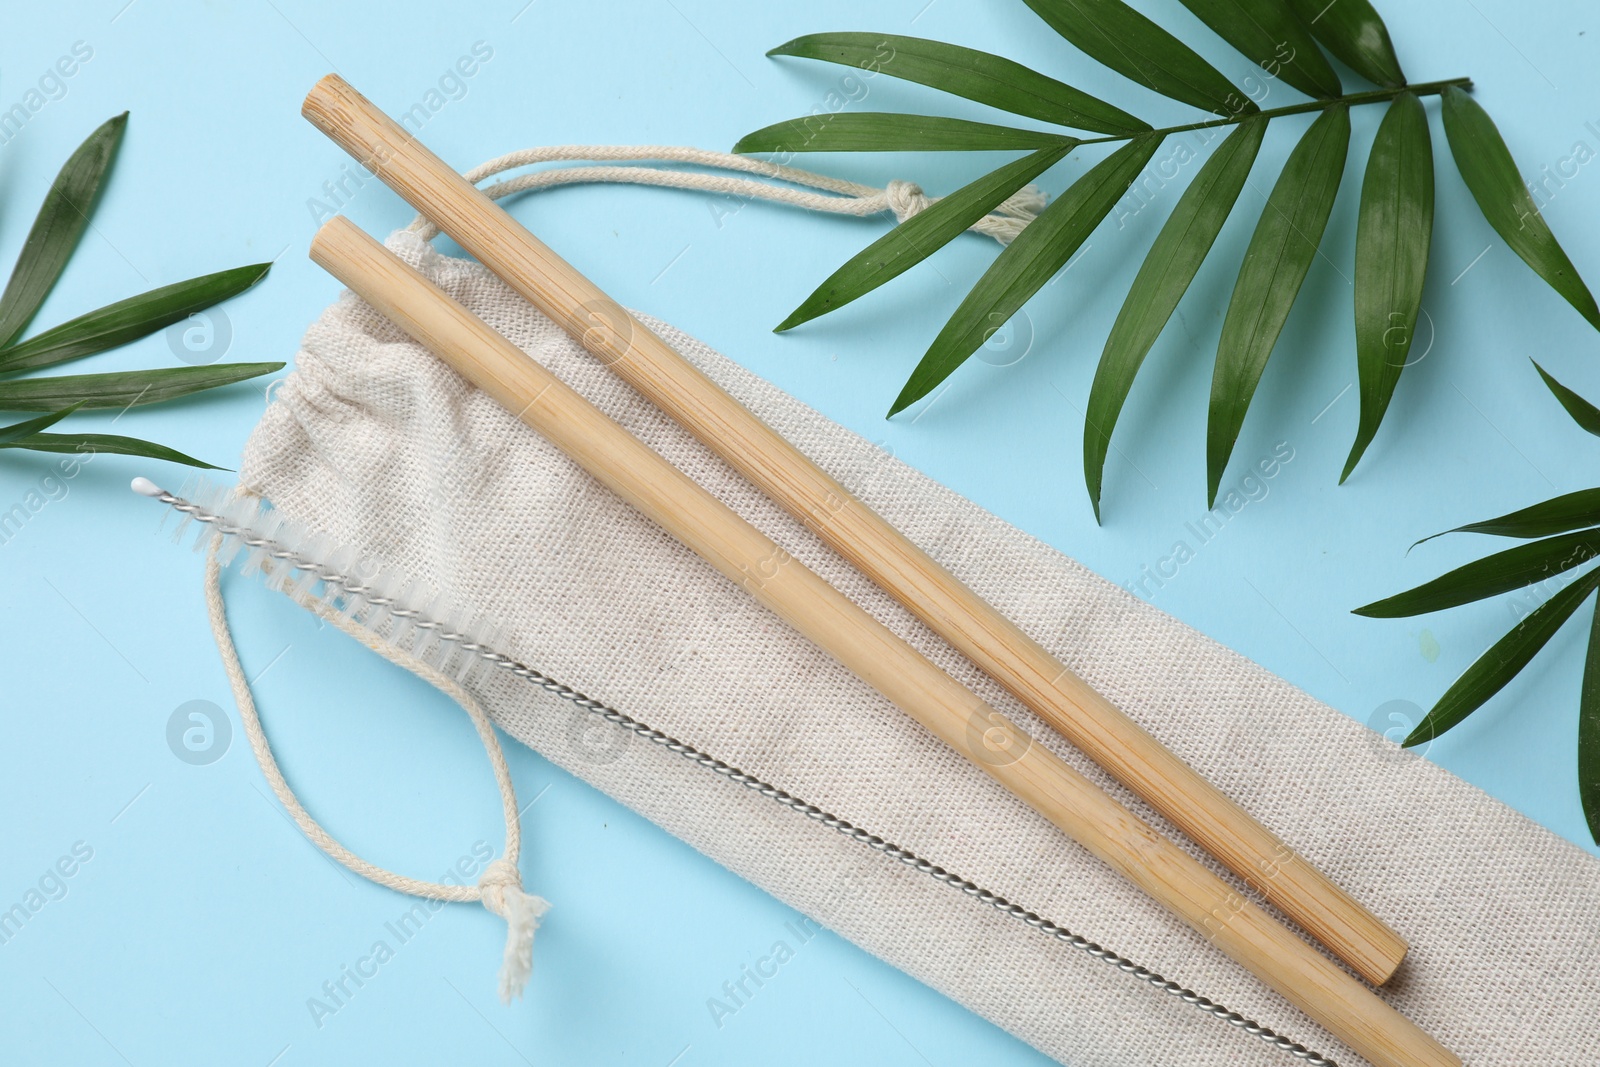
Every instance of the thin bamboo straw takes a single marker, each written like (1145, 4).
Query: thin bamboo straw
(1315, 984)
(956, 613)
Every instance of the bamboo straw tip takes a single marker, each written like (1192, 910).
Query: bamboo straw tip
(1374, 949)
(329, 89)
(334, 238)
(337, 226)
(1385, 962)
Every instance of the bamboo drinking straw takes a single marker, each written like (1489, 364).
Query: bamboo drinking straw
(956, 613)
(1318, 986)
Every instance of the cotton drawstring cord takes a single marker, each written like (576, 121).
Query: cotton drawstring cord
(818, 193)
(500, 887)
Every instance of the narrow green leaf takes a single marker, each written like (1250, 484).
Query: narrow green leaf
(1585, 414)
(111, 444)
(1489, 171)
(1115, 34)
(1589, 731)
(1504, 660)
(59, 224)
(883, 131)
(18, 430)
(921, 235)
(1271, 36)
(1026, 264)
(120, 389)
(1393, 233)
(130, 319)
(1354, 33)
(1275, 265)
(1512, 569)
(1179, 249)
(980, 76)
(1556, 515)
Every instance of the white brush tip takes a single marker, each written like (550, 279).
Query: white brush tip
(145, 487)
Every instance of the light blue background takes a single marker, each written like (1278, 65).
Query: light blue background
(204, 921)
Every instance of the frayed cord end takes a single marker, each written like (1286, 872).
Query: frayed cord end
(1004, 224)
(503, 894)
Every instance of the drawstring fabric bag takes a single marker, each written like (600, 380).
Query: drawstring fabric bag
(380, 445)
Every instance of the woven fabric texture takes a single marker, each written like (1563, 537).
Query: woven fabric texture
(376, 442)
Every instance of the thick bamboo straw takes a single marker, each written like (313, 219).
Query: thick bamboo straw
(956, 613)
(1315, 984)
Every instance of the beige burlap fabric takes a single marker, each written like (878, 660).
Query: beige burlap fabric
(373, 440)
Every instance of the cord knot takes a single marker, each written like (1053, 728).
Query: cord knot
(501, 891)
(1004, 223)
(905, 199)
(498, 877)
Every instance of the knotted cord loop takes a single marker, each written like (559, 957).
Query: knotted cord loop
(499, 889)
(817, 192)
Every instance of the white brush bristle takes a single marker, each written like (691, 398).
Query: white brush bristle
(368, 591)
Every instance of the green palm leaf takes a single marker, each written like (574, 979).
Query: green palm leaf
(1393, 233)
(1504, 660)
(49, 245)
(1164, 277)
(877, 131)
(1589, 731)
(1116, 35)
(1354, 33)
(122, 389)
(920, 236)
(1287, 38)
(1556, 515)
(1275, 266)
(966, 72)
(111, 444)
(56, 230)
(1585, 414)
(1515, 568)
(1043, 248)
(128, 320)
(1496, 184)
(19, 430)
(1272, 36)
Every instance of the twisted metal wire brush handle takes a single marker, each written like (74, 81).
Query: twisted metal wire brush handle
(340, 585)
